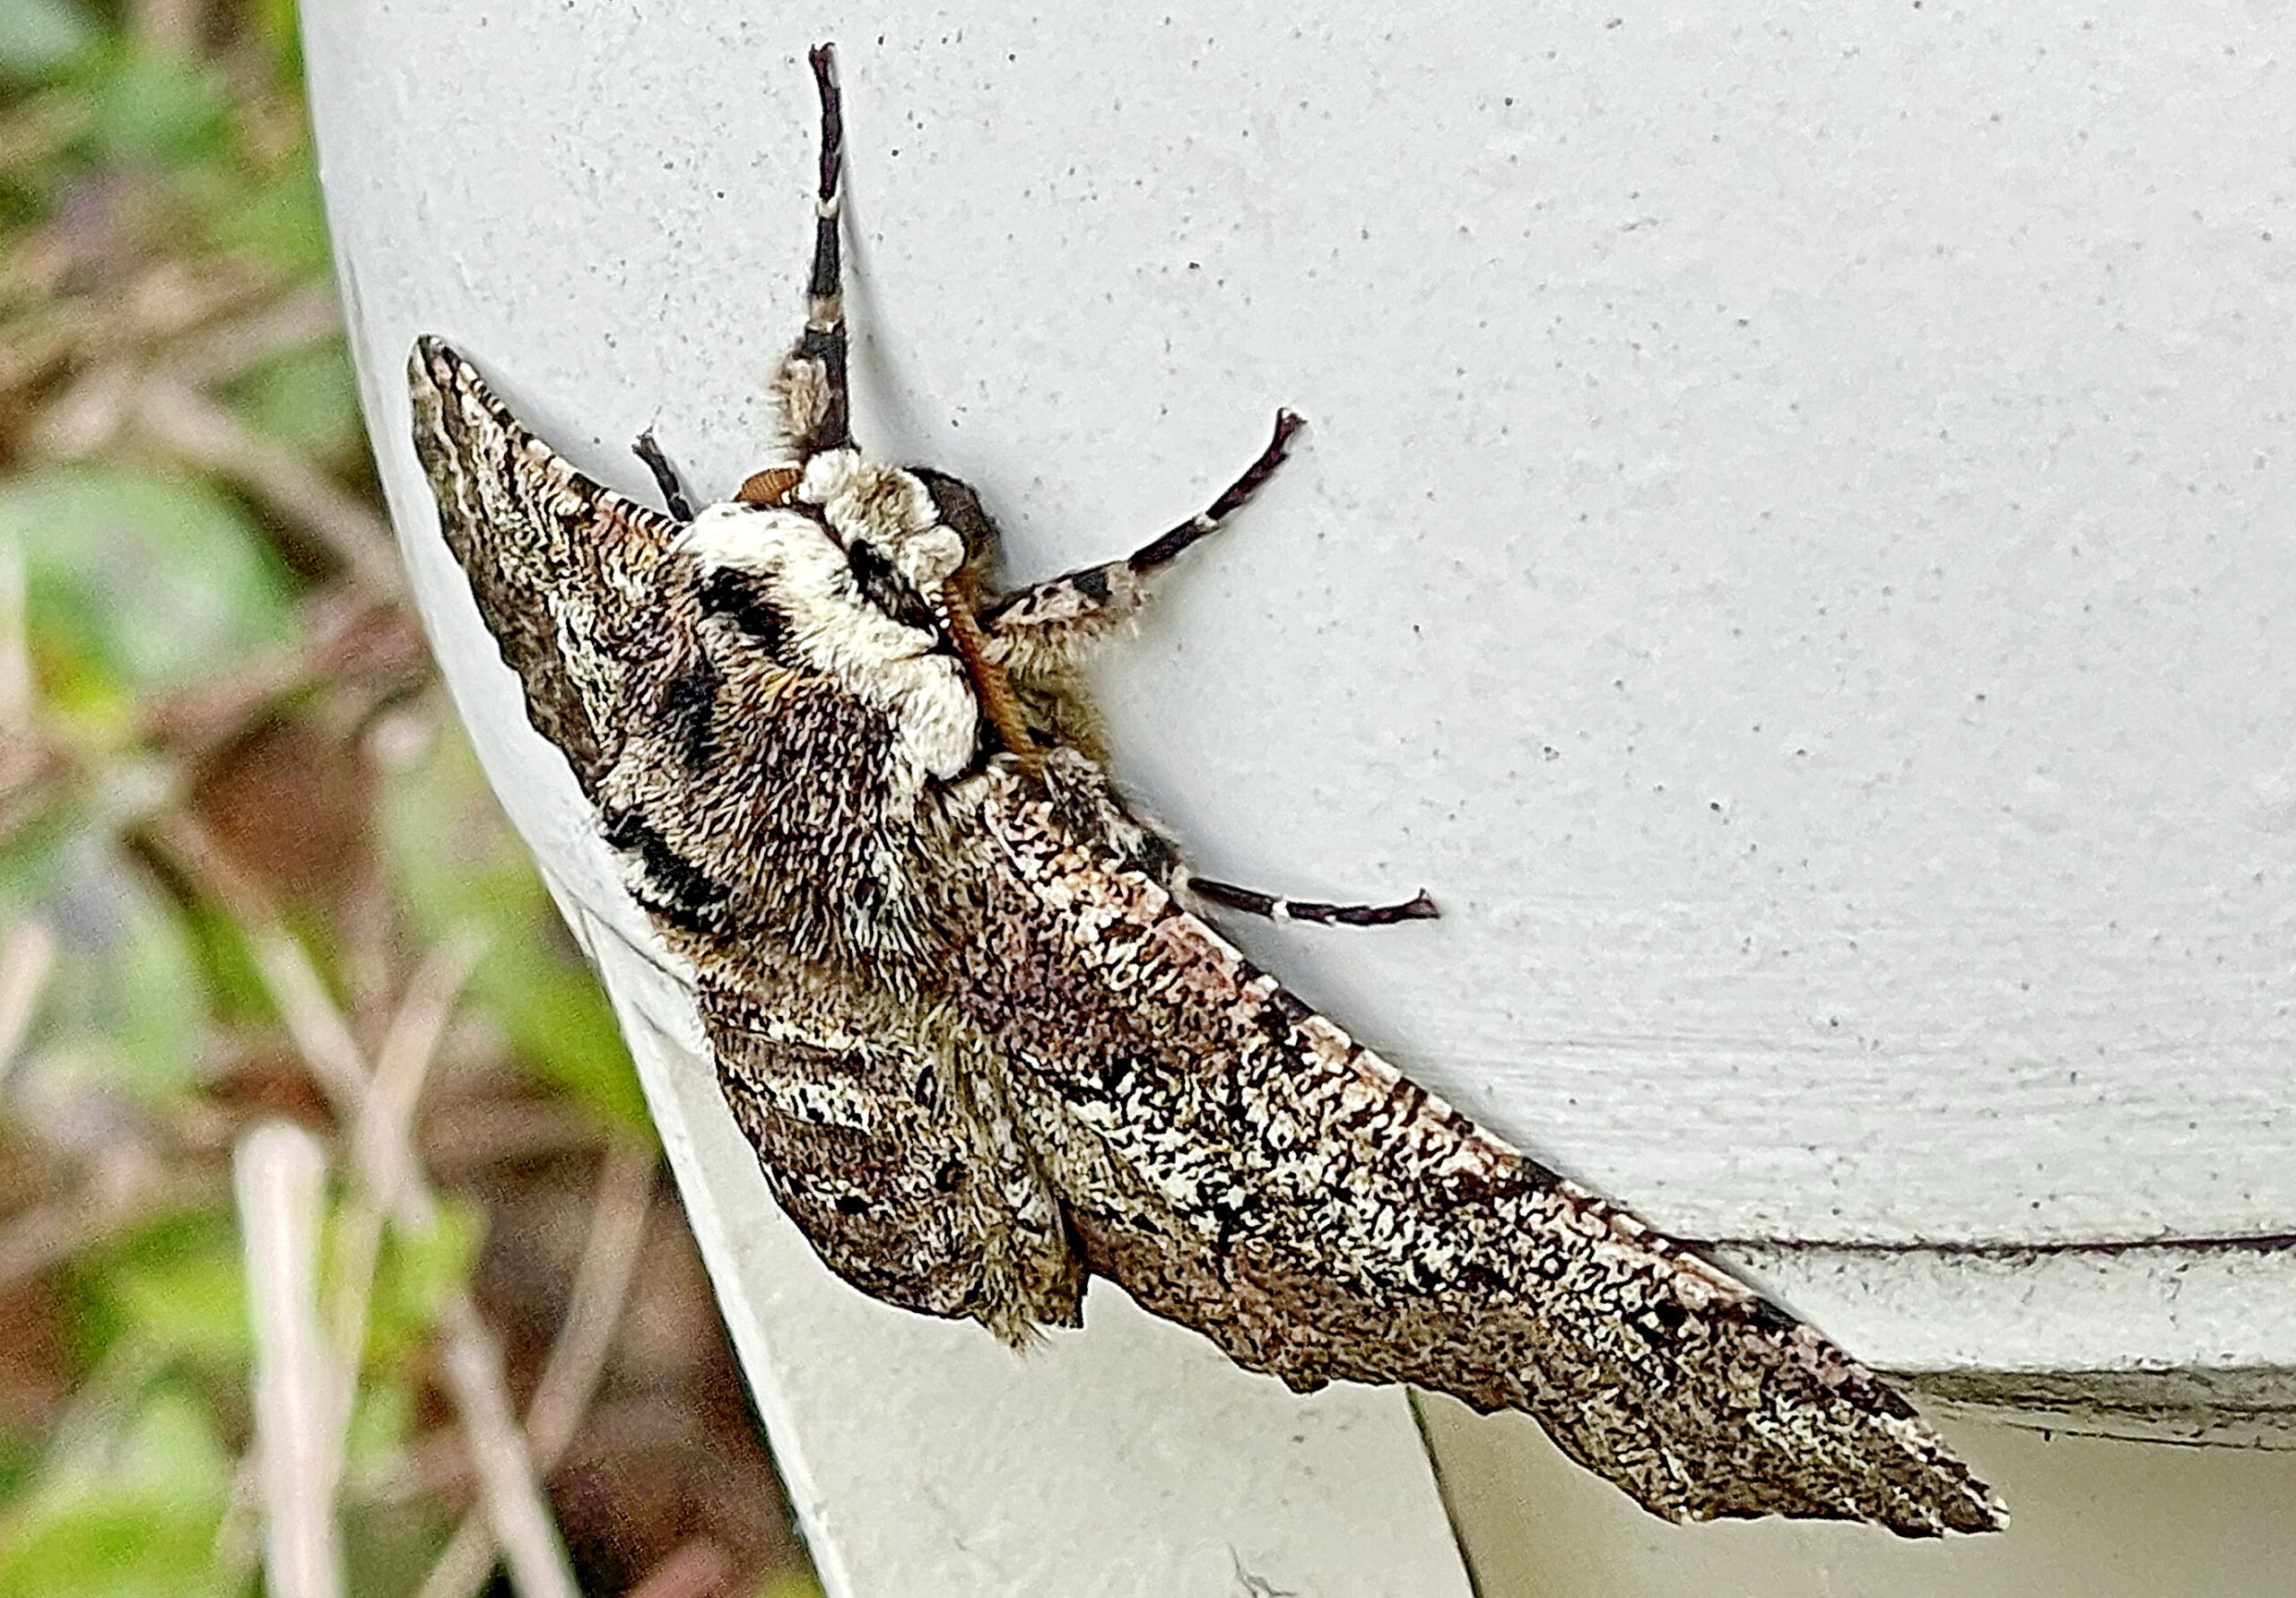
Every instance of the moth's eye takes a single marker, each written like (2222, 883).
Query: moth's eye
(960, 511)
(741, 597)
(887, 589)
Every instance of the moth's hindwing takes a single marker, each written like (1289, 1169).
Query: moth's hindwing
(909, 1178)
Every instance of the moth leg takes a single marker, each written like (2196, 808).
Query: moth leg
(1231, 499)
(1054, 621)
(1253, 902)
(815, 408)
(666, 475)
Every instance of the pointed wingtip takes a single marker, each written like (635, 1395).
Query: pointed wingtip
(1947, 1499)
(434, 360)
(1982, 1511)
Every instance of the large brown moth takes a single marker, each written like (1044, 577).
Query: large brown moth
(960, 1002)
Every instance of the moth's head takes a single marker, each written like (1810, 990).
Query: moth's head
(961, 513)
(905, 532)
(844, 570)
(852, 555)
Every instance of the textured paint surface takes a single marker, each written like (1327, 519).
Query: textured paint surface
(2099, 1519)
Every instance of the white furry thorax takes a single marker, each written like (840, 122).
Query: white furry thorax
(832, 628)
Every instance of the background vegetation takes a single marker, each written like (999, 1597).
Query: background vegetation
(248, 873)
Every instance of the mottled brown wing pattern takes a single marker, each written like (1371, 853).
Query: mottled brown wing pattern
(906, 1184)
(1239, 1164)
(561, 567)
(748, 800)
(724, 780)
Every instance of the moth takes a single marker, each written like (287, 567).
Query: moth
(962, 1001)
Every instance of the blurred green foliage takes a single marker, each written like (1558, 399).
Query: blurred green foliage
(137, 1518)
(108, 548)
(456, 871)
(123, 1008)
(128, 1494)
(199, 665)
(306, 399)
(40, 38)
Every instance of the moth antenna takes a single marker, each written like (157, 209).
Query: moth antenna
(649, 449)
(824, 341)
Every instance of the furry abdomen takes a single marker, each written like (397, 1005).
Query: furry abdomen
(764, 819)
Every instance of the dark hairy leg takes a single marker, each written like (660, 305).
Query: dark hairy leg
(1253, 902)
(1096, 597)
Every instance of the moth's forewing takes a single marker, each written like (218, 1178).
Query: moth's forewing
(562, 567)
(1242, 1165)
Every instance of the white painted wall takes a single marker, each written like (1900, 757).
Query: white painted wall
(1791, 550)
(2092, 1519)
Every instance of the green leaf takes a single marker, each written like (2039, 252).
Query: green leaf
(124, 1010)
(142, 1525)
(138, 581)
(390, 1545)
(118, 1288)
(37, 38)
(154, 106)
(113, 1542)
(307, 400)
(382, 1422)
(278, 217)
(427, 1264)
(190, 1306)
(553, 1013)
(39, 854)
(172, 1442)
(236, 989)
(791, 1584)
(279, 29)
(420, 1269)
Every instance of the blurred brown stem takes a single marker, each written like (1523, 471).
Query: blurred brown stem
(180, 419)
(26, 959)
(693, 1570)
(577, 1356)
(379, 1107)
